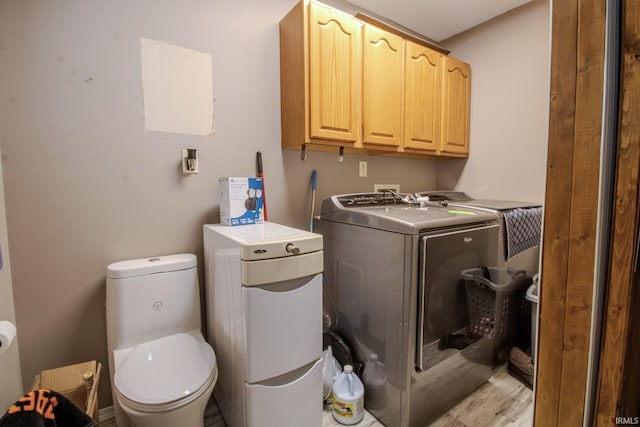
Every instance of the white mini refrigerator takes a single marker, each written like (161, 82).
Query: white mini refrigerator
(264, 321)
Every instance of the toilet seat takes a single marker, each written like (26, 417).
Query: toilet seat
(165, 373)
(130, 405)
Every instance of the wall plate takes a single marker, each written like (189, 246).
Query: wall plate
(362, 169)
(379, 188)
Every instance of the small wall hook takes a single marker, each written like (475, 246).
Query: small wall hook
(303, 152)
(341, 155)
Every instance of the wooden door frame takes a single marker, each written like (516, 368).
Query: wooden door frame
(570, 224)
(618, 382)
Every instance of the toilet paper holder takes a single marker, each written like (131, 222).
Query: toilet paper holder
(7, 335)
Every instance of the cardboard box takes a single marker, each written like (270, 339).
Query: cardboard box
(241, 201)
(78, 383)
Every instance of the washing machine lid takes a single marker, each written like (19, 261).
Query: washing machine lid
(390, 212)
(165, 370)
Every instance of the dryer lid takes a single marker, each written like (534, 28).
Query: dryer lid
(165, 370)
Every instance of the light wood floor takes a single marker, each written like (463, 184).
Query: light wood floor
(502, 401)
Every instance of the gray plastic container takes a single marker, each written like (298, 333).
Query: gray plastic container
(532, 297)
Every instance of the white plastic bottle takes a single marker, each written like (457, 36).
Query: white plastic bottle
(375, 383)
(348, 397)
(330, 370)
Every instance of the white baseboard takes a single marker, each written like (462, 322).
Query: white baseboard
(105, 414)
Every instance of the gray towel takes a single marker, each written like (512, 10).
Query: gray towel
(524, 227)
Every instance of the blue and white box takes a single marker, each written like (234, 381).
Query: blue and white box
(241, 201)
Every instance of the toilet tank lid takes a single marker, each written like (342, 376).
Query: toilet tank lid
(145, 266)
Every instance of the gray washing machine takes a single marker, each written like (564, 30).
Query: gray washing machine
(526, 215)
(392, 285)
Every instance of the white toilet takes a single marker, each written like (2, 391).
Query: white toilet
(162, 369)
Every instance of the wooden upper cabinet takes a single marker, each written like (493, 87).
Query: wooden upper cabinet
(344, 83)
(335, 68)
(456, 91)
(422, 91)
(320, 77)
(383, 82)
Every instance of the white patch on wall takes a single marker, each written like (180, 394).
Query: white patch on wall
(177, 86)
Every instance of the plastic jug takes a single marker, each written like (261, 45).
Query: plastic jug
(348, 397)
(330, 370)
(375, 383)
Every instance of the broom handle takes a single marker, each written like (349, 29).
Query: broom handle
(314, 182)
(261, 175)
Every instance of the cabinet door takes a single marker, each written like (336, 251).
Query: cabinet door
(383, 82)
(335, 68)
(283, 326)
(291, 400)
(456, 91)
(422, 98)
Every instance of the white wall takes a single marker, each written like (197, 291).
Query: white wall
(509, 58)
(86, 185)
(10, 371)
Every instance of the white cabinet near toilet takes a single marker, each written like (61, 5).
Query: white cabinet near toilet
(264, 309)
(278, 325)
(287, 398)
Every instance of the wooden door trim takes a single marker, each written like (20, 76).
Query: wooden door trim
(618, 386)
(569, 241)
(555, 245)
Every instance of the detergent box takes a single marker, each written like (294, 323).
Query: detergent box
(241, 201)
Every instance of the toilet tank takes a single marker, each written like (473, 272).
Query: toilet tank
(151, 298)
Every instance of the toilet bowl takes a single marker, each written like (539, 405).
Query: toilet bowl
(162, 370)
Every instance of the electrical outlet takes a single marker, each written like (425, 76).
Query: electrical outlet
(362, 169)
(378, 188)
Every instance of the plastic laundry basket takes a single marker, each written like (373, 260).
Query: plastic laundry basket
(532, 297)
(497, 307)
